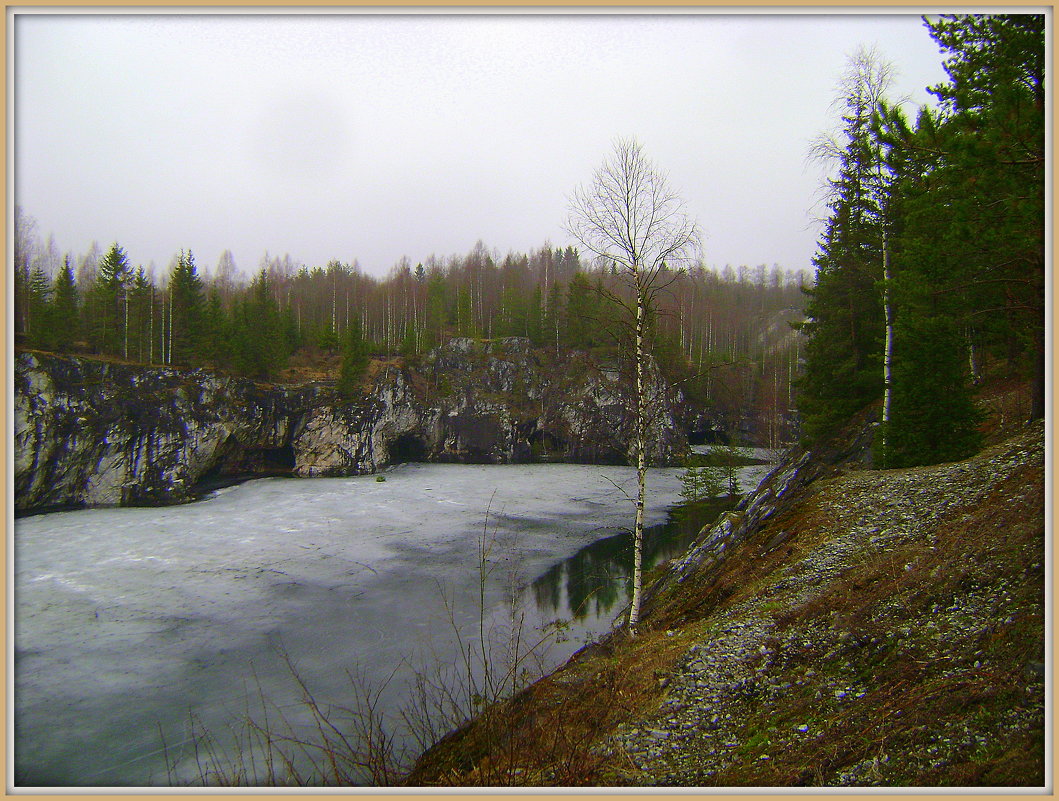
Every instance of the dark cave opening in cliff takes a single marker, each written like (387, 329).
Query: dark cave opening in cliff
(407, 448)
(704, 437)
(546, 446)
(277, 460)
(237, 465)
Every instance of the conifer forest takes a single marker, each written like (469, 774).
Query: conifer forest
(607, 508)
(929, 273)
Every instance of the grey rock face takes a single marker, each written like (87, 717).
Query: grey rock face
(102, 434)
(99, 434)
(488, 403)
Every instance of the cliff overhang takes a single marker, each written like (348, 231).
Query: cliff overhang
(102, 433)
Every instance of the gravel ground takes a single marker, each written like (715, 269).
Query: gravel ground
(752, 664)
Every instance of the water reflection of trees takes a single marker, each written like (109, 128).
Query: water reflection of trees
(596, 578)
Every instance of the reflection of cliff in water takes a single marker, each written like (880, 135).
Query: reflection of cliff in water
(597, 579)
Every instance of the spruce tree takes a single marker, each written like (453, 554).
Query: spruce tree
(65, 312)
(141, 323)
(552, 321)
(934, 418)
(434, 331)
(581, 312)
(535, 318)
(846, 323)
(106, 302)
(258, 345)
(39, 323)
(186, 309)
(216, 345)
(991, 180)
(355, 357)
(968, 249)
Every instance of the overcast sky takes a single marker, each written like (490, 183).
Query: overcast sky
(372, 137)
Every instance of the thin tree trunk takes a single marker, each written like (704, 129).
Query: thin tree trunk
(125, 337)
(150, 330)
(161, 342)
(416, 333)
(641, 463)
(106, 308)
(888, 352)
(169, 352)
(972, 357)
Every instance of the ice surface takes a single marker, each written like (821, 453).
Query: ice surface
(767, 454)
(129, 623)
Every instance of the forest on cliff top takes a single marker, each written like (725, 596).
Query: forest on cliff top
(724, 336)
(929, 275)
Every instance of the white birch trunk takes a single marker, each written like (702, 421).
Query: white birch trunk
(125, 349)
(641, 462)
(972, 358)
(169, 350)
(150, 331)
(161, 342)
(889, 347)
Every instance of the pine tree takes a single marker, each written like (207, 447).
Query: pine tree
(186, 310)
(582, 313)
(991, 180)
(355, 358)
(258, 345)
(65, 312)
(39, 323)
(934, 417)
(140, 316)
(846, 320)
(106, 302)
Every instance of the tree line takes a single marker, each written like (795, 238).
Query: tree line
(722, 334)
(931, 268)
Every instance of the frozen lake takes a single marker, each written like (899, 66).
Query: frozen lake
(132, 623)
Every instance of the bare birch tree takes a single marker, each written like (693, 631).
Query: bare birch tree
(630, 217)
(860, 99)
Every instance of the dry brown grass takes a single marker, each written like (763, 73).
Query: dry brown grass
(741, 575)
(544, 734)
(915, 691)
(917, 688)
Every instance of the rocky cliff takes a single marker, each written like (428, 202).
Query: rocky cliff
(97, 433)
(100, 433)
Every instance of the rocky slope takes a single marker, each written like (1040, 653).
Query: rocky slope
(843, 627)
(101, 433)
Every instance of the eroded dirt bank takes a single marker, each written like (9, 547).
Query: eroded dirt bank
(873, 628)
